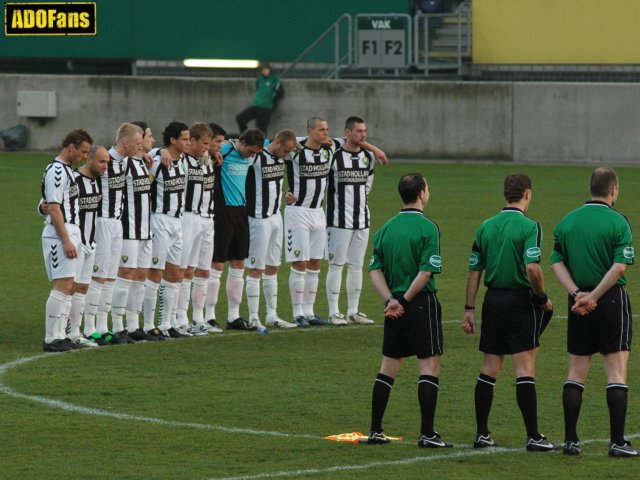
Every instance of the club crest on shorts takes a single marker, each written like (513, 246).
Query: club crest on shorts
(125, 258)
(95, 268)
(253, 260)
(296, 253)
(155, 260)
(331, 256)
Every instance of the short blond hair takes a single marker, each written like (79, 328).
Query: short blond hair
(199, 130)
(126, 131)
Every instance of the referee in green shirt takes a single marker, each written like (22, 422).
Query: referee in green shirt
(591, 252)
(406, 255)
(515, 307)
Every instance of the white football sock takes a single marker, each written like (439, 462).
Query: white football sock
(310, 291)
(167, 295)
(296, 290)
(270, 291)
(134, 305)
(75, 314)
(55, 306)
(104, 307)
(149, 301)
(119, 303)
(334, 283)
(198, 297)
(235, 286)
(91, 307)
(253, 296)
(64, 318)
(182, 304)
(213, 288)
(354, 288)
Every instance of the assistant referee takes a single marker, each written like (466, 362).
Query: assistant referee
(406, 255)
(507, 248)
(590, 255)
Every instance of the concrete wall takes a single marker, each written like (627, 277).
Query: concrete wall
(539, 122)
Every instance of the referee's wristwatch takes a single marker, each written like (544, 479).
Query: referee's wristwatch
(387, 300)
(575, 293)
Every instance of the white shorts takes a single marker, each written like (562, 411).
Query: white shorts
(136, 254)
(167, 240)
(206, 247)
(85, 264)
(265, 242)
(57, 264)
(191, 239)
(108, 247)
(306, 233)
(346, 246)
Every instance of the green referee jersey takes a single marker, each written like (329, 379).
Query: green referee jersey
(504, 245)
(589, 240)
(407, 244)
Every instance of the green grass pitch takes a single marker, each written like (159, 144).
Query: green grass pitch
(241, 405)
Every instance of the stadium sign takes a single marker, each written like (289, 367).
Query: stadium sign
(383, 41)
(50, 18)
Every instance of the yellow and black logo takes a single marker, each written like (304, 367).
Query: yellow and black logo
(44, 19)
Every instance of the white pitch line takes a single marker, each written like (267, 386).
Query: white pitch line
(405, 461)
(70, 407)
(199, 426)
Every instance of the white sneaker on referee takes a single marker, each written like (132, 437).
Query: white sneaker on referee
(337, 319)
(277, 322)
(82, 342)
(360, 318)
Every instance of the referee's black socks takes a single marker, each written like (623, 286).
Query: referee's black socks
(379, 399)
(617, 403)
(528, 403)
(483, 400)
(428, 398)
(571, 403)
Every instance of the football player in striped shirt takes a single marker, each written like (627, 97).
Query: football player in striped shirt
(86, 297)
(206, 308)
(231, 240)
(167, 191)
(61, 236)
(348, 219)
(109, 235)
(135, 258)
(264, 196)
(193, 227)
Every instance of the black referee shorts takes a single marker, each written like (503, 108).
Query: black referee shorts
(510, 322)
(231, 234)
(418, 332)
(606, 330)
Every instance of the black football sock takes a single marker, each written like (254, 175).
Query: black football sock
(379, 398)
(617, 403)
(483, 401)
(571, 402)
(528, 403)
(428, 398)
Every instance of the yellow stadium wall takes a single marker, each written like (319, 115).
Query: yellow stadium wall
(556, 31)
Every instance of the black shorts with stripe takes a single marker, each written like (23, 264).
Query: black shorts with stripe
(510, 322)
(607, 329)
(418, 332)
(231, 234)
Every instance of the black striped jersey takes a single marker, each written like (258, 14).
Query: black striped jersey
(208, 181)
(89, 197)
(136, 211)
(59, 186)
(167, 188)
(307, 173)
(112, 187)
(350, 180)
(194, 185)
(264, 185)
